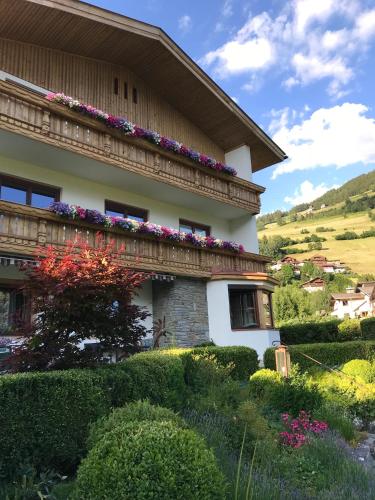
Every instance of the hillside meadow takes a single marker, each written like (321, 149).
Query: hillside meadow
(359, 254)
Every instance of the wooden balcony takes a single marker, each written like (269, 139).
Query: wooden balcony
(23, 229)
(29, 114)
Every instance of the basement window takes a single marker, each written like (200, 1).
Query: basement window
(115, 209)
(27, 192)
(194, 228)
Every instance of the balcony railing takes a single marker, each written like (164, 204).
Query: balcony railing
(30, 114)
(23, 229)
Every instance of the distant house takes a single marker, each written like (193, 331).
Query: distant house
(327, 266)
(323, 205)
(314, 285)
(357, 302)
(287, 260)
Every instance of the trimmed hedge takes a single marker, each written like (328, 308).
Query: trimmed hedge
(45, 417)
(150, 460)
(334, 330)
(368, 328)
(310, 332)
(244, 359)
(333, 354)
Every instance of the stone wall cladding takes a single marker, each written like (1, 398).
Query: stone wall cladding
(183, 302)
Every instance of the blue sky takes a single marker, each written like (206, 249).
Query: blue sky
(302, 69)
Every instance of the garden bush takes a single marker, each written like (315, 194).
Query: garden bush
(368, 328)
(150, 460)
(261, 380)
(361, 369)
(45, 418)
(293, 394)
(310, 332)
(349, 329)
(137, 411)
(333, 354)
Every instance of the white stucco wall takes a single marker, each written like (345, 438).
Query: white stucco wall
(240, 159)
(144, 299)
(220, 330)
(244, 230)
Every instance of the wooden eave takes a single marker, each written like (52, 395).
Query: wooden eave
(79, 28)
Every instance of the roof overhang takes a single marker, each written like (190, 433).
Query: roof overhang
(82, 29)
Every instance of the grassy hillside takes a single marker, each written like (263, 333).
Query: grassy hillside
(359, 254)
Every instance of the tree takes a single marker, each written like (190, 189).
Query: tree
(290, 302)
(80, 293)
(285, 275)
(310, 271)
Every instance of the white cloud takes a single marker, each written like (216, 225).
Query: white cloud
(307, 192)
(338, 136)
(249, 50)
(227, 9)
(184, 23)
(365, 25)
(300, 43)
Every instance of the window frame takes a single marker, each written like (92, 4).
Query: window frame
(14, 289)
(238, 290)
(117, 206)
(194, 226)
(30, 187)
(257, 290)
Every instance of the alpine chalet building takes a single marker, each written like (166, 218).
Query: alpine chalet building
(107, 125)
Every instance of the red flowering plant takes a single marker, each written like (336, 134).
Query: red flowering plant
(299, 429)
(80, 293)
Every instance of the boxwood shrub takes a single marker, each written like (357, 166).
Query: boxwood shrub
(45, 417)
(333, 354)
(150, 460)
(368, 328)
(138, 411)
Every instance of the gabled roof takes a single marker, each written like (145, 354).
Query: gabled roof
(347, 296)
(86, 30)
(315, 281)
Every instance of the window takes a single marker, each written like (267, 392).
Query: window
(13, 309)
(27, 192)
(250, 306)
(119, 210)
(192, 227)
(125, 90)
(135, 95)
(243, 313)
(267, 309)
(115, 86)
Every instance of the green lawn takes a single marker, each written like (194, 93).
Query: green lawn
(359, 254)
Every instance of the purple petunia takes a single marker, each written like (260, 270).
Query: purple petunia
(95, 217)
(132, 130)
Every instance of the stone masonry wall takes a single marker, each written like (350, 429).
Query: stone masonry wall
(183, 302)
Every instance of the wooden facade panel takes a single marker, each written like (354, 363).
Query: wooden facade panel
(23, 228)
(92, 81)
(33, 116)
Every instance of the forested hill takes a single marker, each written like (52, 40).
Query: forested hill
(362, 185)
(359, 185)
